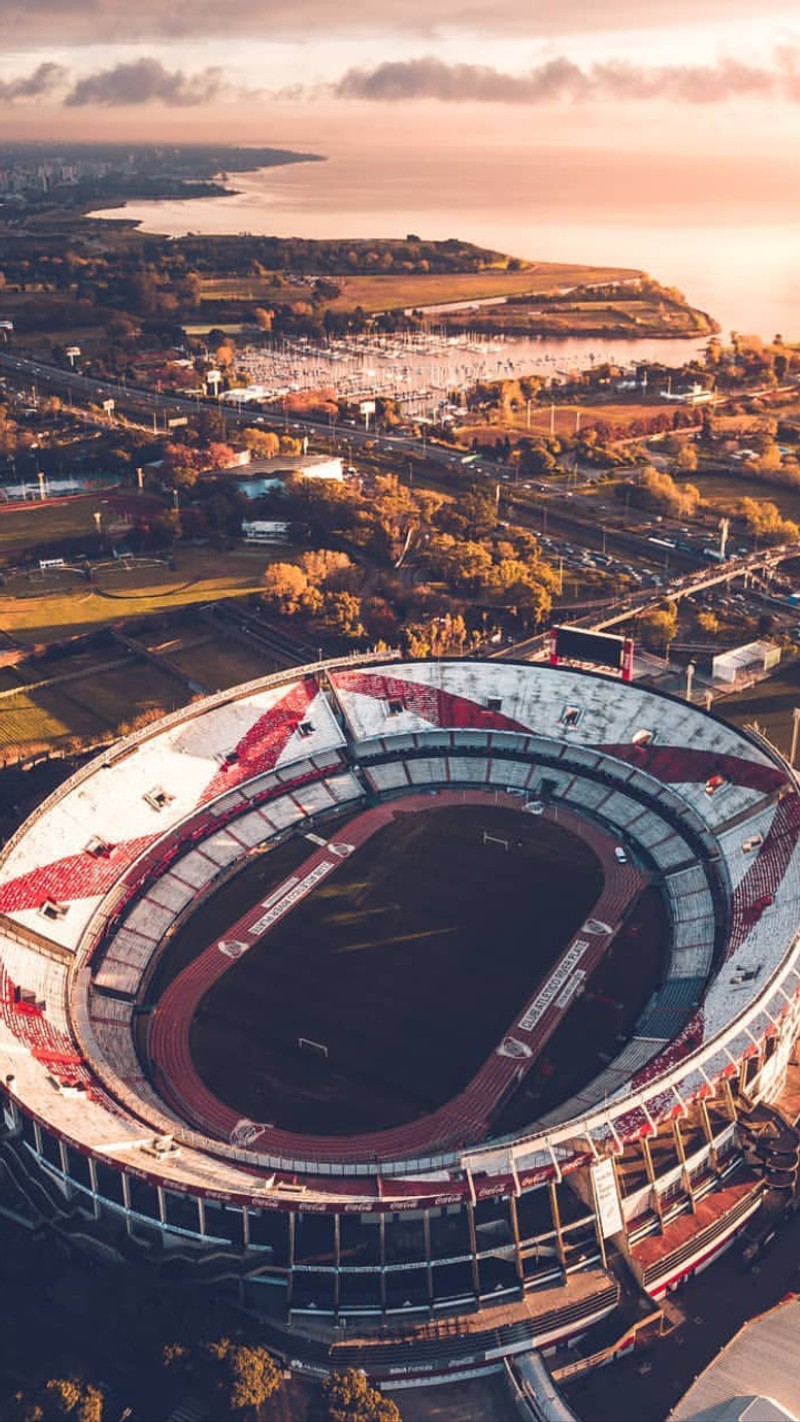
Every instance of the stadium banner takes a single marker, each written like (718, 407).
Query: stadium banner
(606, 1198)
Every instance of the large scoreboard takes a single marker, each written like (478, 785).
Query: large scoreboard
(594, 649)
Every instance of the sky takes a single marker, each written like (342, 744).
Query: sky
(722, 76)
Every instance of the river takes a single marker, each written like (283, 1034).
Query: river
(727, 233)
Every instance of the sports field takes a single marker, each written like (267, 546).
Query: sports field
(408, 965)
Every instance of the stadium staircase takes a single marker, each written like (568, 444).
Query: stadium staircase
(636, 1317)
(772, 1144)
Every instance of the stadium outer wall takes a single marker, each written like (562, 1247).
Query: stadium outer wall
(416, 1265)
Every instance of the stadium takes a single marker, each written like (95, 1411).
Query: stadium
(429, 1011)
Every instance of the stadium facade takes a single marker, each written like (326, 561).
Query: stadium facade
(439, 1247)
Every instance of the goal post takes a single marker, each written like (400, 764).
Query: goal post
(318, 1049)
(496, 839)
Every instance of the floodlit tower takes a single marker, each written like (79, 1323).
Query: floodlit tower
(690, 671)
(724, 530)
(795, 729)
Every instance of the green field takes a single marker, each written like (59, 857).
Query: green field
(36, 719)
(217, 665)
(25, 527)
(118, 696)
(52, 606)
(727, 491)
(393, 292)
(409, 964)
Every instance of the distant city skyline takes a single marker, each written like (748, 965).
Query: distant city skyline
(712, 73)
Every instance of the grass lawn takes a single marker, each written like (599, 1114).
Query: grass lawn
(410, 964)
(44, 717)
(117, 696)
(54, 606)
(727, 491)
(386, 293)
(218, 666)
(564, 418)
(24, 527)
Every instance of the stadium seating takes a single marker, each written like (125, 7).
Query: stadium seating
(388, 777)
(144, 788)
(666, 1014)
(427, 771)
(412, 697)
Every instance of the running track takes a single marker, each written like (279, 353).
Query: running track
(462, 1120)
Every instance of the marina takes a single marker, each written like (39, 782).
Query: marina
(424, 371)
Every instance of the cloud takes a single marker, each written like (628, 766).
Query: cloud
(560, 79)
(76, 22)
(146, 81)
(45, 80)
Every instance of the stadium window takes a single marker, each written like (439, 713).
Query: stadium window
(396, 706)
(306, 728)
(226, 758)
(571, 715)
(158, 798)
(53, 910)
(643, 737)
(494, 703)
(98, 847)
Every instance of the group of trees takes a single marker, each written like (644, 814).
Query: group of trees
(350, 1397)
(239, 1376)
(655, 489)
(321, 586)
(765, 520)
(234, 1377)
(68, 1398)
(440, 567)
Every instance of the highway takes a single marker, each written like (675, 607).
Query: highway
(631, 604)
(636, 603)
(163, 408)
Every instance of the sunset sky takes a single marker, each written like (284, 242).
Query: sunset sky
(719, 74)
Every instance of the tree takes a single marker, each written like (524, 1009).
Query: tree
(324, 567)
(769, 459)
(69, 1398)
(708, 622)
(264, 444)
(182, 465)
(437, 636)
(247, 1375)
(343, 613)
(285, 585)
(765, 520)
(218, 456)
(686, 462)
(657, 489)
(660, 627)
(290, 445)
(350, 1398)
(240, 1376)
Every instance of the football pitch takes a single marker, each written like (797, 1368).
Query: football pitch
(405, 969)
